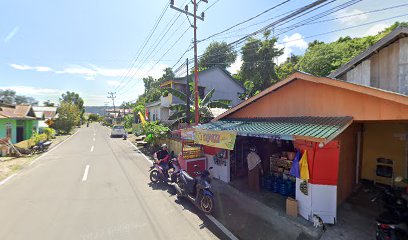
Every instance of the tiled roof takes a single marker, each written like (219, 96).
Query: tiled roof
(16, 112)
(319, 129)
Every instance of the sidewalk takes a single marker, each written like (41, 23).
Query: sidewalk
(247, 218)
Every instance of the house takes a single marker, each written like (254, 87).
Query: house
(226, 88)
(44, 115)
(351, 132)
(384, 65)
(17, 122)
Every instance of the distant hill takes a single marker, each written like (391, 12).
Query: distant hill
(96, 109)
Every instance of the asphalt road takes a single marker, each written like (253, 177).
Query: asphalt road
(93, 187)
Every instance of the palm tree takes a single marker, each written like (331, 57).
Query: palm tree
(204, 105)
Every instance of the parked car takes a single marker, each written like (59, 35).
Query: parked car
(118, 131)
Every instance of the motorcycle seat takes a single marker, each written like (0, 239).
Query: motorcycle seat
(190, 181)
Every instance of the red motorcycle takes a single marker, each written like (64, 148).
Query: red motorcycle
(158, 174)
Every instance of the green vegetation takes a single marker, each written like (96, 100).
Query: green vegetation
(95, 117)
(9, 97)
(321, 58)
(217, 54)
(69, 117)
(180, 110)
(154, 131)
(49, 132)
(75, 99)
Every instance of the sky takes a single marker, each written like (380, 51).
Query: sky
(94, 47)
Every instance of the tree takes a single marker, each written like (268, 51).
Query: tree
(9, 97)
(94, 117)
(68, 117)
(48, 103)
(167, 75)
(288, 67)
(74, 98)
(217, 54)
(258, 64)
(321, 58)
(204, 106)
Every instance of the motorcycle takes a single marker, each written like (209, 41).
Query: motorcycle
(392, 224)
(158, 174)
(124, 136)
(41, 146)
(197, 190)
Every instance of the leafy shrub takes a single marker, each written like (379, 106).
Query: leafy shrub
(68, 118)
(36, 138)
(154, 131)
(50, 132)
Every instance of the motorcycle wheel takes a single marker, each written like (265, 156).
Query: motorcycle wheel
(207, 204)
(154, 176)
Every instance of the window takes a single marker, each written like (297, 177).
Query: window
(9, 130)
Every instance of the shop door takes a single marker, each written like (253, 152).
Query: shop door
(20, 134)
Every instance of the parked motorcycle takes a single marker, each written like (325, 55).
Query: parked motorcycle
(158, 174)
(197, 190)
(41, 146)
(392, 224)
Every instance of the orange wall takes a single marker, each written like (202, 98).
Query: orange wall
(304, 98)
(347, 162)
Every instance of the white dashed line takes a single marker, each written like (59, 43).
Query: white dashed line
(85, 173)
(92, 148)
(93, 139)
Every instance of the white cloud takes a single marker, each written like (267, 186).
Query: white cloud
(346, 18)
(113, 83)
(289, 43)
(40, 94)
(375, 29)
(236, 66)
(12, 34)
(21, 67)
(89, 73)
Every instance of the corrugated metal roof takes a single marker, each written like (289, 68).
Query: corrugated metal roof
(319, 129)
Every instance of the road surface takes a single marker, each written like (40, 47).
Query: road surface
(93, 187)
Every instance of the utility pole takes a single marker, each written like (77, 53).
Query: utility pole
(112, 96)
(194, 15)
(188, 95)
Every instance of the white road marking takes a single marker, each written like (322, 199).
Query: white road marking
(137, 149)
(8, 178)
(94, 134)
(92, 148)
(222, 228)
(227, 232)
(93, 139)
(52, 149)
(85, 173)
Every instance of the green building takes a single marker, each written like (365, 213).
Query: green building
(17, 122)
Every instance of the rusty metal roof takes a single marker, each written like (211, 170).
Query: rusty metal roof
(318, 129)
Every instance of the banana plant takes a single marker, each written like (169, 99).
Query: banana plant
(204, 105)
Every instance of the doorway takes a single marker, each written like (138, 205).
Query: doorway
(20, 134)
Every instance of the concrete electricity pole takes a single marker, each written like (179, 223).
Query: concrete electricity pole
(112, 96)
(194, 15)
(188, 95)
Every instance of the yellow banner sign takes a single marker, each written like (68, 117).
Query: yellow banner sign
(218, 139)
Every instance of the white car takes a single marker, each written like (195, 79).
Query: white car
(118, 131)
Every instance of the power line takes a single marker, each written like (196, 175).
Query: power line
(249, 19)
(144, 44)
(153, 48)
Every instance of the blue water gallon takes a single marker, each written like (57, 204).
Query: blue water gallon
(283, 189)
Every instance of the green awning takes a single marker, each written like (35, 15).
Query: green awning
(317, 129)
